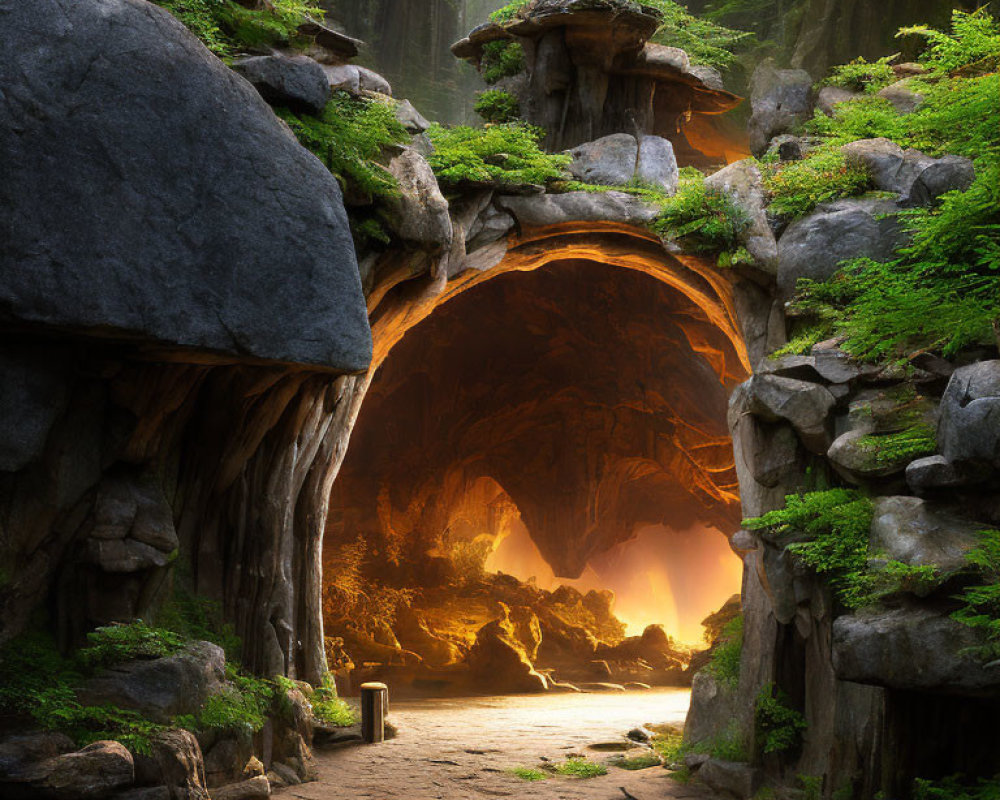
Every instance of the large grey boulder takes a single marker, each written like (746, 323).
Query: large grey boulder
(803, 404)
(355, 80)
(830, 97)
(712, 708)
(419, 214)
(814, 247)
(620, 159)
(552, 209)
(92, 772)
(161, 688)
(779, 98)
(150, 194)
(908, 530)
(743, 183)
(294, 81)
(919, 649)
(736, 779)
(969, 428)
(917, 178)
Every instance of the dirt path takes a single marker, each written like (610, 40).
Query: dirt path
(458, 749)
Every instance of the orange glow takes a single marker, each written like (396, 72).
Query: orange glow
(675, 578)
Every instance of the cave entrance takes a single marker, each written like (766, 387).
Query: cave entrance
(541, 470)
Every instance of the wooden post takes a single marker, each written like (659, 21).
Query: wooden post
(374, 706)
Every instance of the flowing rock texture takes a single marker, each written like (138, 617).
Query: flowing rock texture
(178, 296)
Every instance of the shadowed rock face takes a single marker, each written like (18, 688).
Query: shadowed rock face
(591, 395)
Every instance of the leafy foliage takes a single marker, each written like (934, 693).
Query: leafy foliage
(836, 523)
(117, 643)
(702, 221)
(797, 187)
(348, 137)
(942, 290)
(861, 75)
(900, 447)
(225, 27)
(497, 106)
(981, 602)
(779, 726)
(328, 707)
(706, 42)
(502, 58)
(509, 11)
(724, 665)
(194, 617)
(497, 154)
(974, 38)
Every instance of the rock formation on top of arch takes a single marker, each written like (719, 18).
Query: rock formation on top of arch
(591, 71)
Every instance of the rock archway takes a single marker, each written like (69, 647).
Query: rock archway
(572, 394)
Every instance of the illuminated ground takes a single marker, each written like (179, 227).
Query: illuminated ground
(456, 749)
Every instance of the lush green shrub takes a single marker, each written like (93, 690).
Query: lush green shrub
(836, 524)
(974, 39)
(497, 106)
(861, 75)
(779, 726)
(117, 643)
(724, 665)
(900, 447)
(226, 27)
(706, 42)
(797, 187)
(498, 154)
(702, 221)
(348, 137)
(328, 707)
(502, 58)
(981, 601)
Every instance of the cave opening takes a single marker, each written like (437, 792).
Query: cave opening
(537, 491)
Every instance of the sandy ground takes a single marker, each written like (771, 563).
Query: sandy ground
(456, 749)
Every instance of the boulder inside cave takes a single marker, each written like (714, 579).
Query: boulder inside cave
(536, 490)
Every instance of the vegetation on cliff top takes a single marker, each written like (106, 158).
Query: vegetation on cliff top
(500, 155)
(942, 290)
(226, 27)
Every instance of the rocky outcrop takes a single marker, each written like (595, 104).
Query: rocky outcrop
(147, 229)
(194, 304)
(498, 660)
(297, 82)
(591, 72)
(620, 160)
(779, 99)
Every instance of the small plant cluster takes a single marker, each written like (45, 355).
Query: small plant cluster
(861, 75)
(349, 136)
(703, 221)
(329, 708)
(941, 291)
(724, 663)
(37, 681)
(779, 727)
(706, 42)
(508, 12)
(501, 58)
(900, 447)
(981, 601)
(796, 188)
(499, 155)
(497, 107)
(729, 745)
(226, 28)
(574, 767)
